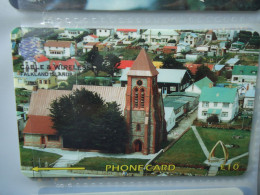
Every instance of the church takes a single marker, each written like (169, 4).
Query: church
(140, 102)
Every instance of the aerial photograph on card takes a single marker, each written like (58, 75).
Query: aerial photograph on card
(143, 5)
(134, 102)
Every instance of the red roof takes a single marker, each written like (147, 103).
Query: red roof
(56, 43)
(41, 58)
(125, 64)
(39, 125)
(193, 67)
(69, 64)
(127, 30)
(170, 47)
(94, 36)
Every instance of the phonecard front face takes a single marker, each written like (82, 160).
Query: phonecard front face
(144, 5)
(134, 102)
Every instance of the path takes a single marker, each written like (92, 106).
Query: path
(237, 157)
(185, 123)
(72, 157)
(202, 145)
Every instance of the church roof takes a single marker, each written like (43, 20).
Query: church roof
(143, 66)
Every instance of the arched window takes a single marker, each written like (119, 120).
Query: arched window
(138, 127)
(142, 98)
(135, 98)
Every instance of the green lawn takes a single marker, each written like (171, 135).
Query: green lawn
(212, 136)
(186, 151)
(28, 156)
(99, 163)
(22, 96)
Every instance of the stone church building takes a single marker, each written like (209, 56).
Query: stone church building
(140, 102)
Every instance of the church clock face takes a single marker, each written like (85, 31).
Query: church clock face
(139, 82)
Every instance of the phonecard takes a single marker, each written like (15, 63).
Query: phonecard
(134, 102)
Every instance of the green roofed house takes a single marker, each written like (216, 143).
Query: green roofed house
(219, 101)
(244, 74)
(238, 45)
(16, 33)
(197, 86)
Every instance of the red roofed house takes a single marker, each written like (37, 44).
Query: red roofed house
(37, 64)
(123, 65)
(194, 67)
(91, 39)
(169, 49)
(59, 49)
(140, 102)
(127, 33)
(64, 69)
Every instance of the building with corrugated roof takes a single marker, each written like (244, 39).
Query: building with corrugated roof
(244, 74)
(59, 49)
(219, 101)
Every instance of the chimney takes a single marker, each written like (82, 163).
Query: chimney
(18, 72)
(247, 87)
(210, 85)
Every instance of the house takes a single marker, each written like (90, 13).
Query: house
(191, 38)
(218, 68)
(169, 80)
(179, 106)
(202, 48)
(232, 62)
(134, 102)
(244, 74)
(104, 32)
(33, 81)
(192, 67)
(238, 45)
(169, 49)
(40, 63)
(225, 35)
(16, 34)
(71, 33)
(199, 85)
(128, 33)
(183, 47)
(160, 37)
(219, 101)
(249, 100)
(89, 46)
(209, 35)
(223, 44)
(65, 68)
(91, 39)
(105, 46)
(59, 49)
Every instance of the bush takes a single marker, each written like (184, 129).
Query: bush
(213, 119)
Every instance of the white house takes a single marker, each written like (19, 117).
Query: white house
(89, 46)
(249, 99)
(198, 86)
(183, 47)
(91, 38)
(244, 74)
(159, 37)
(209, 35)
(202, 48)
(104, 32)
(191, 38)
(64, 69)
(71, 33)
(40, 63)
(128, 33)
(219, 101)
(59, 49)
(225, 35)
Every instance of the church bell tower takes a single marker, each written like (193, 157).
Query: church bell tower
(144, 110)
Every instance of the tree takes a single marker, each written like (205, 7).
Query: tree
(172, 41)
(96, 60)
(111, 64)
(171, 63)
(204, 71)
(85, 121)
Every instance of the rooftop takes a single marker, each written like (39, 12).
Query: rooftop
(56, 43)
(218, 94)
(245, 70)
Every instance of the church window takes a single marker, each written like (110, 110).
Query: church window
(138, 127)
(142, 98)
(139, 82)
(136, 98)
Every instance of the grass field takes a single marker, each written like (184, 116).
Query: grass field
(99, 163)
(31, 157)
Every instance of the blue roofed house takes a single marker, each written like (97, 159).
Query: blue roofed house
(232, 62)
(219, 101)
(197, 86)
(249, 99)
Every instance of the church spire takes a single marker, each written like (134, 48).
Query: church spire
(143, 66)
